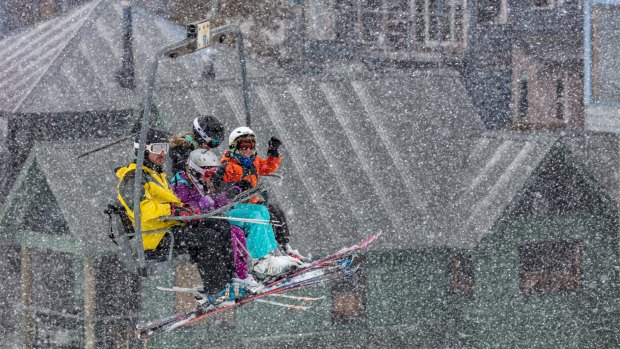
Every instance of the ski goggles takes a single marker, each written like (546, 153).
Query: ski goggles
(155, 148)
(246, 145)
(208, 172)
(204, 137)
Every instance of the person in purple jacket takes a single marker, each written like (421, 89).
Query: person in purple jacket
(194, 187)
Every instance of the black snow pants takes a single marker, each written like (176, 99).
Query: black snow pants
(280, 229)
(209, 246)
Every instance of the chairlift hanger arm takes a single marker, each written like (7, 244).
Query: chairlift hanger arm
(138, 189)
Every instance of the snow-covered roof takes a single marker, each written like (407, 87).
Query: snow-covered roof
(362, 152)
(496, 170)
(398, 151)
(81, 187)
(28, 55)
(70, 63)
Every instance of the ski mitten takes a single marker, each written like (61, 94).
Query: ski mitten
(273, 146)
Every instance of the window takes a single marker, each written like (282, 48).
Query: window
(118, 290)
(560, 98)
(492, 12)
(349, 297)
(543, 4)
(522, 100)
(395, 25)
(550, 267)
(53, 281)
(55, 308)
(462, 275)
(443, 21)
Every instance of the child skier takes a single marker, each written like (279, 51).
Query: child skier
(242, 166)
(194, 187)
(207, 133)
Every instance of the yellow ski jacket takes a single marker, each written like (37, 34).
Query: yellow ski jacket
(154, 203)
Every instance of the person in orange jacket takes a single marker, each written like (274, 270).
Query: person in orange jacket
(243, 167)
(241, 163)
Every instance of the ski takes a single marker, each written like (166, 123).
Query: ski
(299, 298)
(180, 289)
(326, 269)
(284, 305)
(175, 321)
(327, 259)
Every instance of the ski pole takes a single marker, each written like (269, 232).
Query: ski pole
(234, 219)
(288, 306)
(120, 140)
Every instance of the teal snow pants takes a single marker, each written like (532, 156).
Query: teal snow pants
(260, 237)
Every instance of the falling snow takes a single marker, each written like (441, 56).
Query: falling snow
(479, 136)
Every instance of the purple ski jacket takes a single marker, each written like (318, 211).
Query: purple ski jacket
(187, 192)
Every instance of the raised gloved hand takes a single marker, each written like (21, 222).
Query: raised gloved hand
(206, 203)
(181, 210)
(272, 147)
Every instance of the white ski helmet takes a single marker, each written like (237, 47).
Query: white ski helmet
(239, 132)
(201, 158)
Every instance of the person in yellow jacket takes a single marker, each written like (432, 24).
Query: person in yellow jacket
(207, 241)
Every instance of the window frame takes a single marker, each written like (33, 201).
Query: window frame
(523, 91)
(560, 97)
(462, 276)
(549, 273)
(551, 6)
(502, 19)
(353, 286)
(408, 18)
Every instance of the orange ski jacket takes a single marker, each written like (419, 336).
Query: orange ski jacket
(235, 172)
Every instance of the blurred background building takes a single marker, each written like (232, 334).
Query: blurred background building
(479, 135)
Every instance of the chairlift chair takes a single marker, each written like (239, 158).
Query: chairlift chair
(122, 232)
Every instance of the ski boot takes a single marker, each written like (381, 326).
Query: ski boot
(273, 266)
(249, 283)
(228, 296)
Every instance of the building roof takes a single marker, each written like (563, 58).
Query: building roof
(401, 151)
(501, 164)
(496, 169)
(69, 63)
(360, 154)
(81, 187)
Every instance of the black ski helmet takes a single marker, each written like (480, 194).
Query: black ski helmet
(208, 130)
(152, 136)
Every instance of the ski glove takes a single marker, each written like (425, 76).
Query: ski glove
(184, 211)
(244, 185)
(272, 147)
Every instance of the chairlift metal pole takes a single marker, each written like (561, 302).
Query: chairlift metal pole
(231, 28)
(138, 187)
